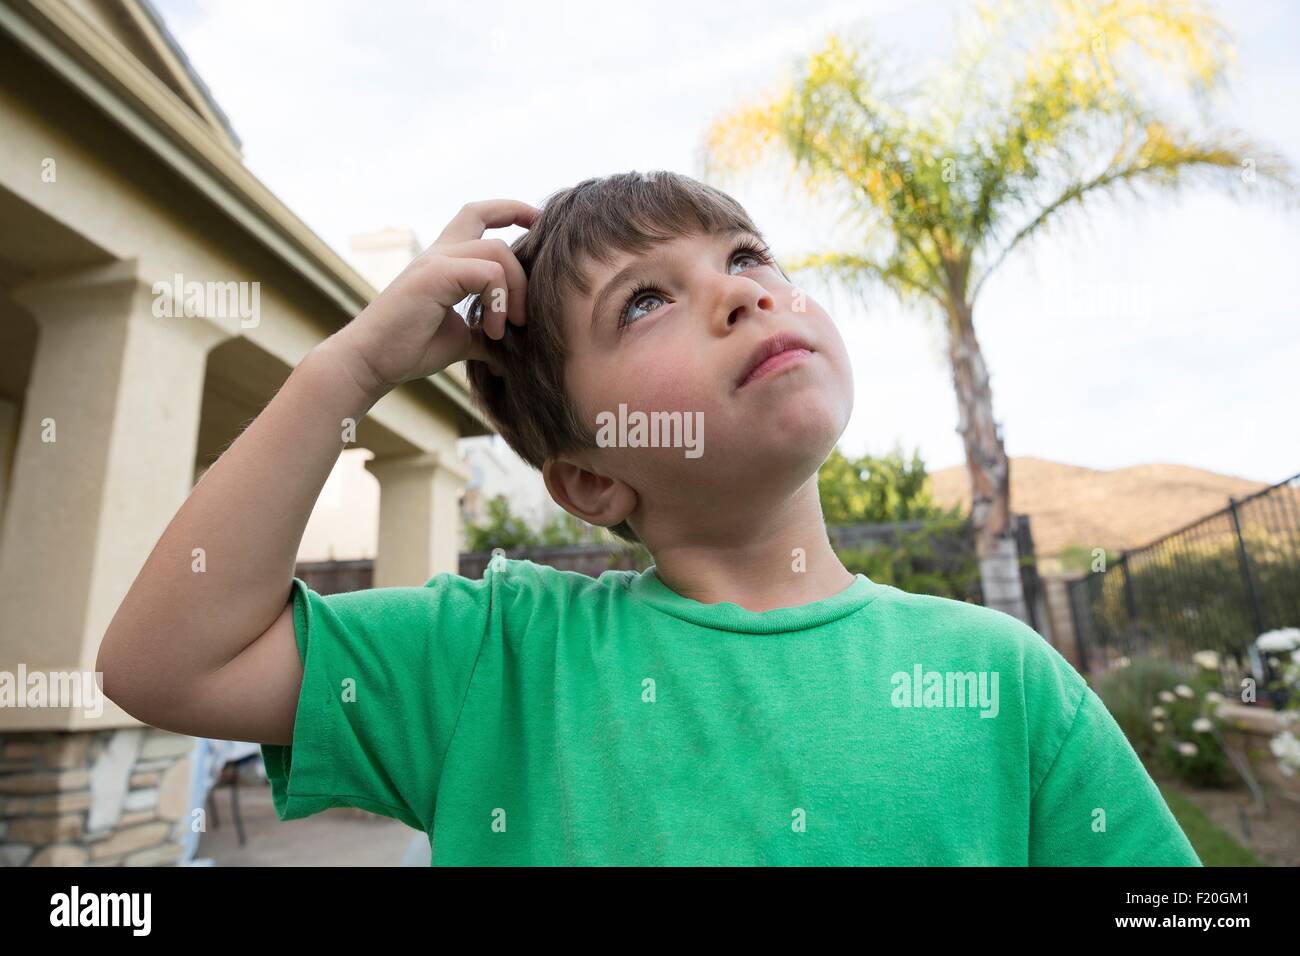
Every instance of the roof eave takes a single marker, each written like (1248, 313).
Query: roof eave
(147, 109)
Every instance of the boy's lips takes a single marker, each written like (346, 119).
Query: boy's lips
(772, 353)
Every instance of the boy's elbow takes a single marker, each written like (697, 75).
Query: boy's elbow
(121, 681)
(101, 661)
(110, 672)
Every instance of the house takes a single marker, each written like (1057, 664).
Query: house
(153, 296)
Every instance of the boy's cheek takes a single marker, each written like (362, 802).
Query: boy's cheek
(664, 385)
(835, 352)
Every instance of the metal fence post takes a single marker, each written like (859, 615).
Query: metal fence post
(1252, 594)
(1077, 596)
(1132, 633)
(1130, 603)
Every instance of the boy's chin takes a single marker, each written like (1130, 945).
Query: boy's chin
(802, 423)
(794, 446)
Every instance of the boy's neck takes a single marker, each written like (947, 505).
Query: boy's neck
(781, 558)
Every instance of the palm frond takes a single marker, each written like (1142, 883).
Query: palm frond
(1171, 160)
(859, 273)
(1048, 106)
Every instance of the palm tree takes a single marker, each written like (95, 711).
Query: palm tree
(1046, 107)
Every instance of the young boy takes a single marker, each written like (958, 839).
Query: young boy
(747, 700)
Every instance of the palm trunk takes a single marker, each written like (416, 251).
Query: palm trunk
(988, 467)
(986, 459)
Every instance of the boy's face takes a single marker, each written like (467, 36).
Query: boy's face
(685, 345)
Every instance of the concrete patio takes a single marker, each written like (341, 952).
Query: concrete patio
(342, 836)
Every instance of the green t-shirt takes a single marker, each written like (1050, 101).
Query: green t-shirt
(543, 717)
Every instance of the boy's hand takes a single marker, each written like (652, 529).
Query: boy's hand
(411, 329)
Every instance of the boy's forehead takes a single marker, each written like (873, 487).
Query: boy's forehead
(594, 270)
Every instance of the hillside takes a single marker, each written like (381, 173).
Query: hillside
(1124, 508)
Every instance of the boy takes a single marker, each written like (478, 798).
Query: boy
(747, 700)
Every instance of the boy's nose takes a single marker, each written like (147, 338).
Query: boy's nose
(743, 298)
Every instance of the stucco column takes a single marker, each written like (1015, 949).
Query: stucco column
(104, 458)
(419, 516)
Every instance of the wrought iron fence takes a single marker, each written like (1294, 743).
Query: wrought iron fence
(1216, 584)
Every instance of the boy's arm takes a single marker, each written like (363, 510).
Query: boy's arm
(213, 652)
(1098, 806)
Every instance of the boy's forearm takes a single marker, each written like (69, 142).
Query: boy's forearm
(221, 572)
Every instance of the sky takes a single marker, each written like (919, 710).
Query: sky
(1160, 331)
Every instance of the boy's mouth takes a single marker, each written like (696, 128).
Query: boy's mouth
(775, 352)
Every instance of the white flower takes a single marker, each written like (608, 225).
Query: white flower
(1283, 639)
(1286, 748)
(1157, 712)
(1187, 749)
(1123, 662)
(1214, 698)
(1165, 696)
(1158, 727)
(1185, 692)
(1209, 660)
(1202, 725)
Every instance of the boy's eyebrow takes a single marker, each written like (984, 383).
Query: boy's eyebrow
(630, 271)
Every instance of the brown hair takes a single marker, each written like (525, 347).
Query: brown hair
(594, 220)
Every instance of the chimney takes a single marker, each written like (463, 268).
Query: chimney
(380, 256)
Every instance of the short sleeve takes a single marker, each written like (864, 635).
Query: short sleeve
(1098, 806)
(385, 675)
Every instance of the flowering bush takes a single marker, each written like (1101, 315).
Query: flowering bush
(1187, 728)
(1283, 650)
(1129, 690)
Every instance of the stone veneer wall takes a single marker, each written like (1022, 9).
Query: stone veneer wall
(94, 798)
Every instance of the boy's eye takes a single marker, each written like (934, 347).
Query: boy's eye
(634, 299)
(646, 291)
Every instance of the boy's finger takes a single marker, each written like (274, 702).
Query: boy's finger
(475, 218)
(516, 280)
(475, 277)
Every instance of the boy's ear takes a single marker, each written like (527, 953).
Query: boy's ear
(594, 498)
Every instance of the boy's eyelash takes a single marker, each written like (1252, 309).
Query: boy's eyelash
(760, 252)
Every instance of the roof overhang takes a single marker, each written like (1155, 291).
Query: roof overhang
(147, 109)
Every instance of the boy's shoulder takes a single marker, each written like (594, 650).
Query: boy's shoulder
(975, 629)
(953, 616)
(973, 637)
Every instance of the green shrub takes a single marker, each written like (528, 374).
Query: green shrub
(506, 530)
(1169, 713)
(503, 529)
(877, 489)
(932, 560)
(1129, 693)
